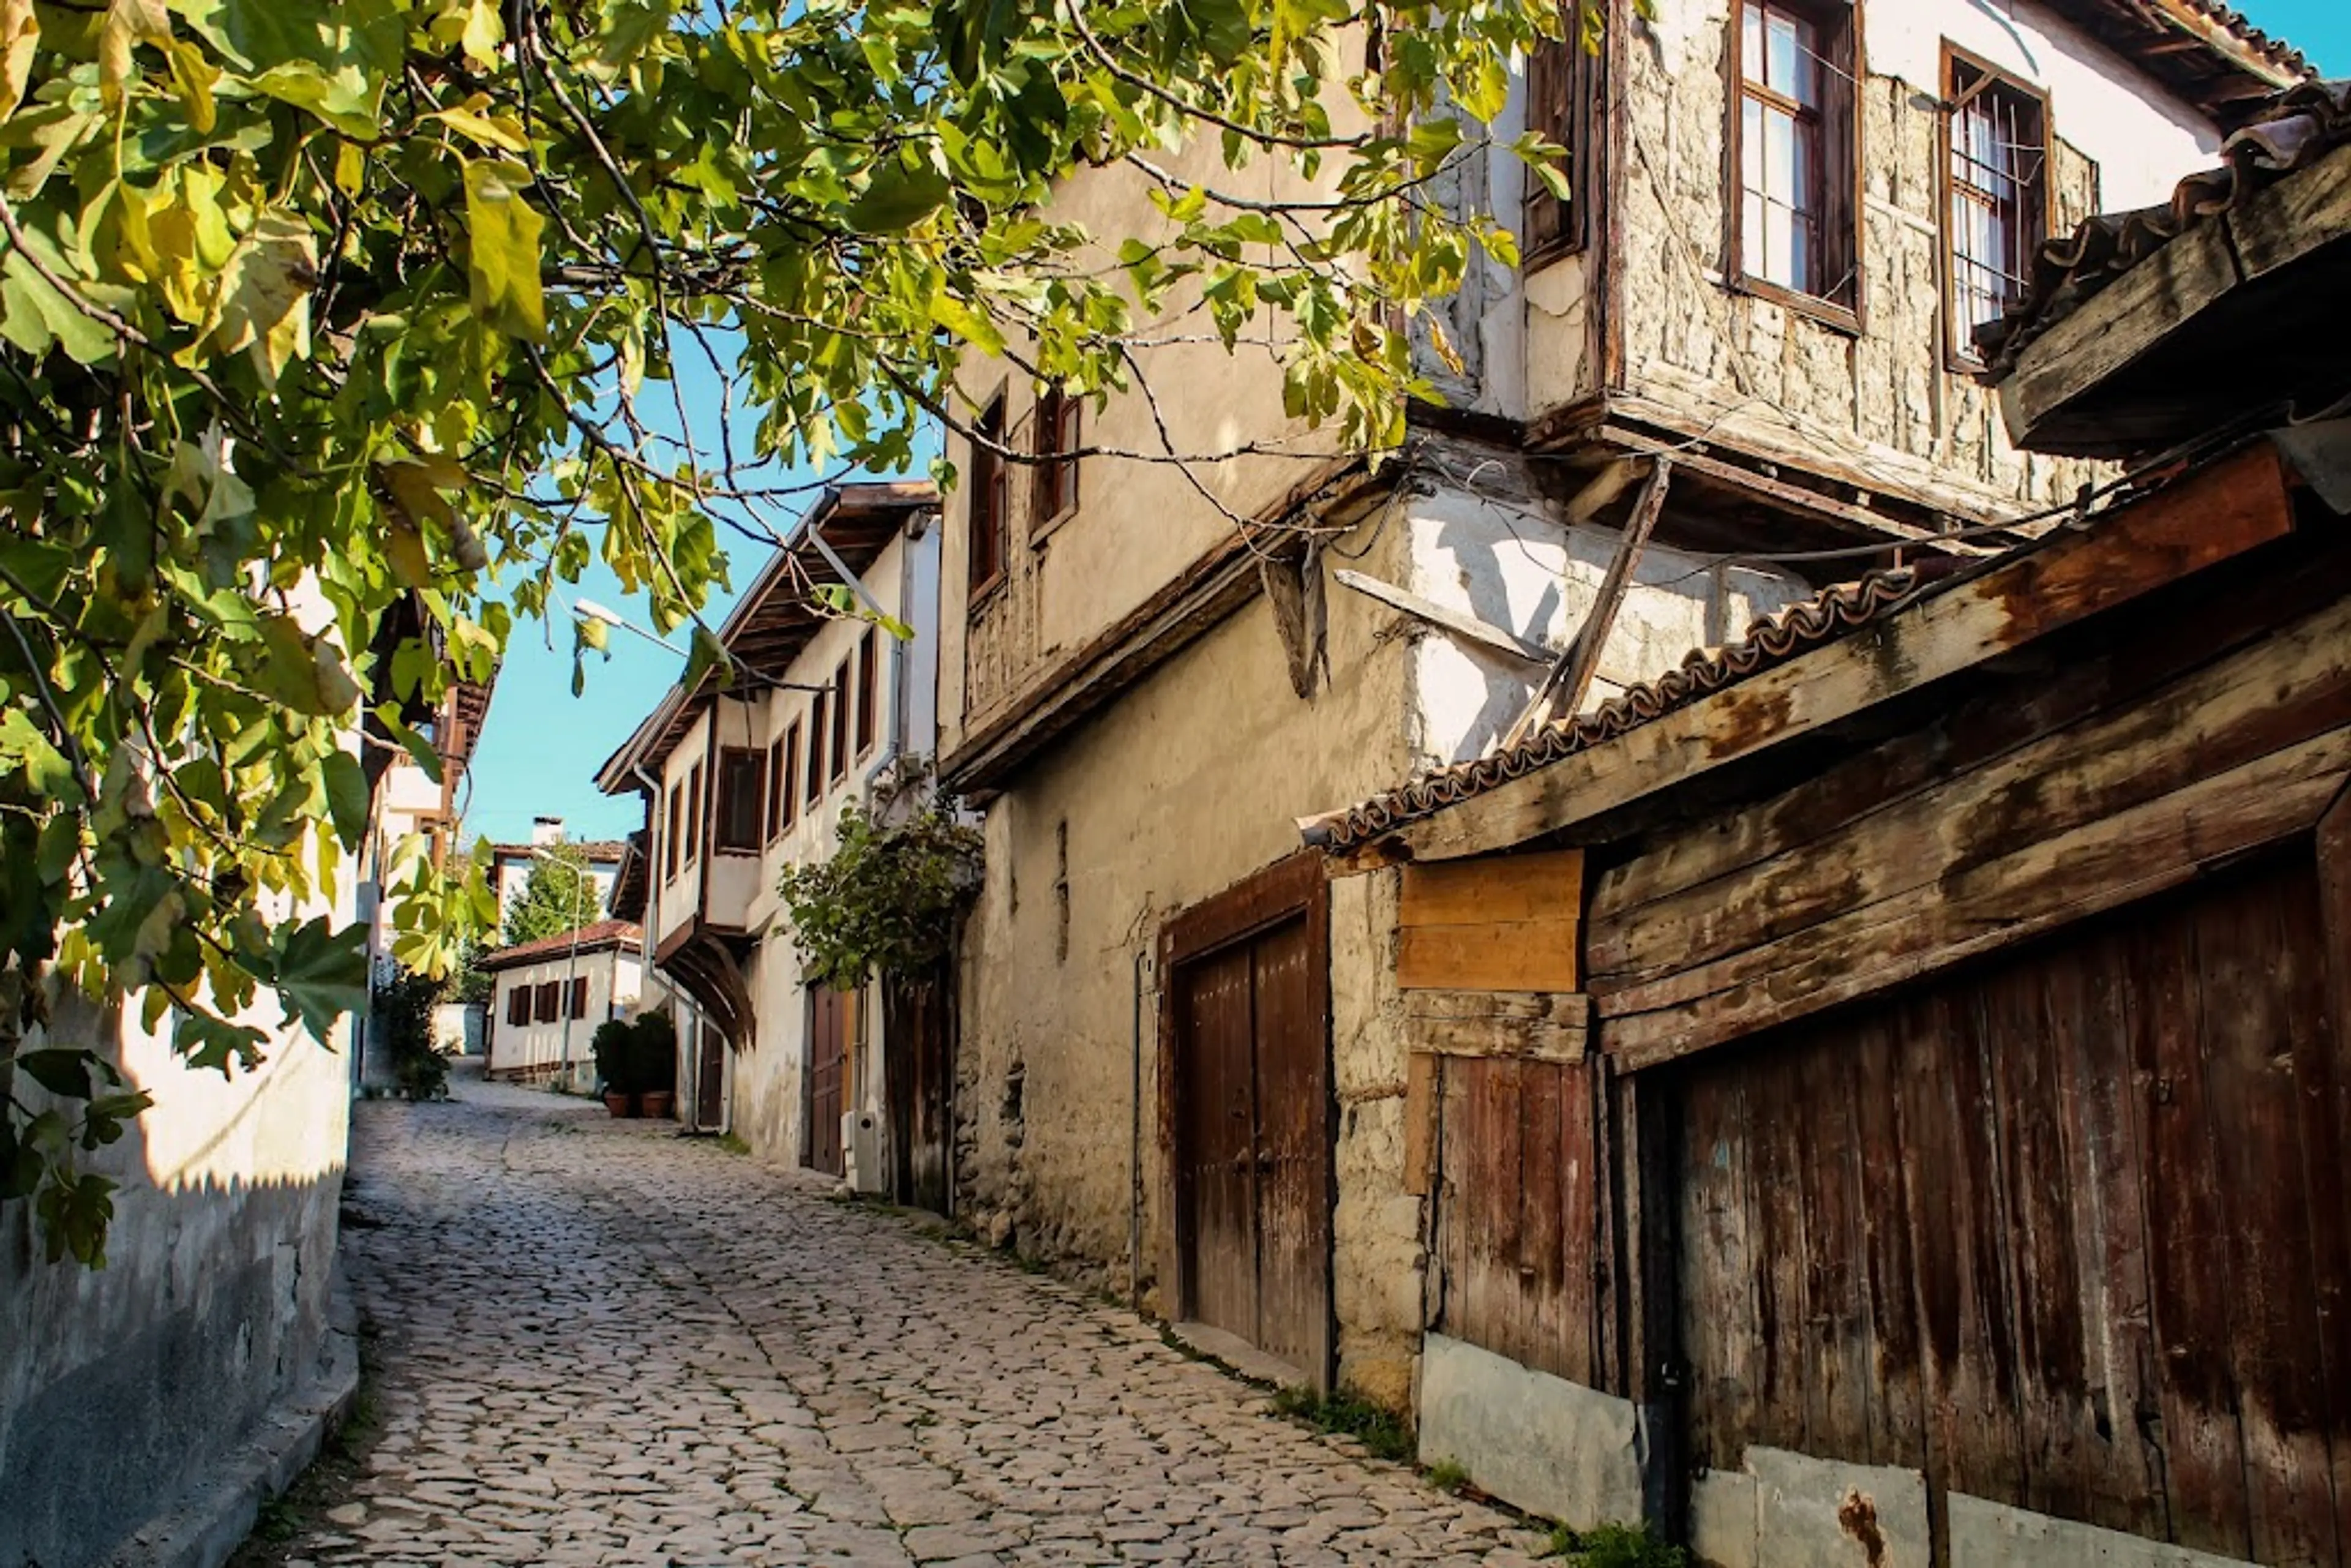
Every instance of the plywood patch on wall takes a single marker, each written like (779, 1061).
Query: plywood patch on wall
(1505, 923)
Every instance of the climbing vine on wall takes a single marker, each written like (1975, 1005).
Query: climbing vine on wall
(886, 903)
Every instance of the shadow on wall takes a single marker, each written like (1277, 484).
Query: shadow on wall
(123, 1387)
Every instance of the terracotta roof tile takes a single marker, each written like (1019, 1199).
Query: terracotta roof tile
(602, 934)
(2295, 129)
(1828, 615)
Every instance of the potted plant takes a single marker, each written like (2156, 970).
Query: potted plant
(654, 1048)
(613, 1046)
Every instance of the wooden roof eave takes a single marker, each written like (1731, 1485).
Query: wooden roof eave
(2066, 393)
(2229, 507)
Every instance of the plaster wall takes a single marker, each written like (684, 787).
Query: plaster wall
(615, 978)
(1183, 786)
(766, 1077)
(121, 1387)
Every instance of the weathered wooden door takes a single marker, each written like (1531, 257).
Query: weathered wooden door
(918, 1065)
(831, 1014)
(710, 1076)
(2066, 1231)
(1251, 1122)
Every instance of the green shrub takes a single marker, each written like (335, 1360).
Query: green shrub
(652, 1053)
(611, 1047)
(400, 1022)
(1614, 1546)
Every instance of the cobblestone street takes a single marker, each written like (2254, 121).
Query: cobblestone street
(597, 1342)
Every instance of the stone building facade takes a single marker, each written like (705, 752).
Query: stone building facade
(1142, 701)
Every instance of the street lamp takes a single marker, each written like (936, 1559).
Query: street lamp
(571, 968)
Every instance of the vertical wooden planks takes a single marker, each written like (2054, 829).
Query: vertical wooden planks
(2323, 1076)
(1717, 1267)
(1581, 1304)
(1218, 1131)
(2260, 988)
(1293, 1151)
(1897, 1417)
(1541, 1331)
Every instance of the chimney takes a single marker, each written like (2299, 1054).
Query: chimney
(547, 829)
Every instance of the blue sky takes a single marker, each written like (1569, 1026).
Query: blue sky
(541, 747)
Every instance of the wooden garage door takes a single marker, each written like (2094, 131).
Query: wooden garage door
(2069, 1231)
(1252, 1149)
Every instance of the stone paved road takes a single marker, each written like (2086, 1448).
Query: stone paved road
(601, 1343)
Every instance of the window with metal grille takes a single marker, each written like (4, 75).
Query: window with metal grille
(1053, 493)
(736, 819)
(1562, 84)
(1996, 192)
(987, 503)
(1797, 218)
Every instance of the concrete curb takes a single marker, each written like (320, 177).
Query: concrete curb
(212, 1519)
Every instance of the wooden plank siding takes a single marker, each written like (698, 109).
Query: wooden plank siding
(1976, 832)
(2047, 1230)
(1518, 1252)
(1508, 922)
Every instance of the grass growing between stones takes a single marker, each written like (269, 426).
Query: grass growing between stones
(1448, 1475)
(1614, 1546)
(1381, 1430)
(330, 1479)
(733, 1143)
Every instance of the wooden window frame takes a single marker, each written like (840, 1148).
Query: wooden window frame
(1056, 432)
(674, 835)
(787, 810)
(1959, 345)
(779, 792)
(578, 998)
(839, 771)
(1565, 83)
(698, 816)
(734, 763)
(1840, 243)
(987, 511)
(518, 1006)
(868, 655)
(547, 1006)
(817, 726)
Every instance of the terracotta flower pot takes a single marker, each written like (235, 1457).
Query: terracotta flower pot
(620, 1104)
(657, 1103)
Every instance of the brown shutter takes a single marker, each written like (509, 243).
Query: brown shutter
(816, 749)
(579, 996)
(841, 696)
(868, 655)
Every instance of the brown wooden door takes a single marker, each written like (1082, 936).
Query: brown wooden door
(917, 1067)
(710, 1078)
(1253, 1142)
(831, 1015)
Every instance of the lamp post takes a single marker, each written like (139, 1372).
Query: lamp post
(572, 968)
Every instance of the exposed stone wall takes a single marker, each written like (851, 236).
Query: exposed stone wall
(121, 1388)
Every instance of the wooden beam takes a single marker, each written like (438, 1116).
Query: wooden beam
(1538, 1026)
(2144, 307)
(2039, 887)
(1563, 694)
(2255, 700)
(1503, 955)
(2229, 508)
(1544, 886)
(1469, 628)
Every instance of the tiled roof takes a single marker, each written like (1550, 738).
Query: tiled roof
(601, 934)
(2295, 129)
(596, 851)
(1823, 618)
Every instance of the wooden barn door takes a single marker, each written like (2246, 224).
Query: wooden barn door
(1248, 999)
(831, 1015)
(2066, 1231)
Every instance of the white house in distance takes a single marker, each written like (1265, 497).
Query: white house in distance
(549, 995)
(511, 864)
(741, 781)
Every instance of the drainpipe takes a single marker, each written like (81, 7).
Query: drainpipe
(650, 936)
